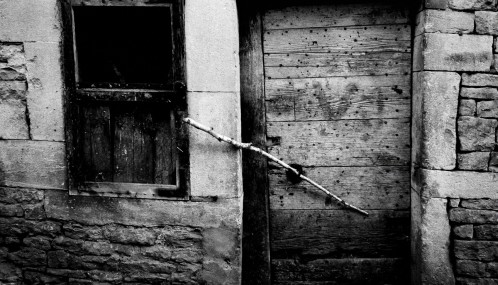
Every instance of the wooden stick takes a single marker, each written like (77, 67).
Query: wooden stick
(271, 157)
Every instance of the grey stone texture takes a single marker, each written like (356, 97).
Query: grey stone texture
(471, 216)
(486, 22)
(13, 123)
(435, 103)
(467, 108)
(493, 161)
(473, 161)
(464, 231)
(478, 93)
(452, 52)
(487, 109)
(486, 232)
(476, 134)
(436, 4)
(472, 4)
(449, 22)
(480, 80)
(96, 252)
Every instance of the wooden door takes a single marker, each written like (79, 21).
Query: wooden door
(337, 101)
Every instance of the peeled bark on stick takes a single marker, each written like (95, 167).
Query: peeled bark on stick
(271, 157)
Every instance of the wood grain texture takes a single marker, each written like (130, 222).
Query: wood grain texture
(342, 143)
(124, 120)
(393, 38)
(306, 65)
(379, 271)
(336, 98)
(97, 145)
(255, 239)
(336, 16)
(339, 233)
(386, 187)
(143, 134)
(165, 168)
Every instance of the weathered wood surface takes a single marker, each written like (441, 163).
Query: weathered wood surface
(338, 102)
(339, 233)
(123, 145)
(386, 187)
(165, 168)
(97, 146)
(336, 15)
(305, 65)
(341, 271)
(388, 38)
(342, 143)
(338, 98)
(255, 239)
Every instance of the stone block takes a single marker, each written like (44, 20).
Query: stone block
(487, 22)
(28, 256)
(477, 268)
(77, 231)
(215, 167)
(130, 235)
(476, 281)
(436, 4)
(464, 231)
(496, 45)
(13, 124)
(476, 250)
(435, 243)
(435, 103)
(45, 85)
(141, 212)
(467, 107)
(221, 243)
(34, 212)
(493, 162)
(452, 52)
(486, 232)
(212, 46)
(476, 134)
(37, 242)
(469, 216)
(480, 204)
(32, 164)
(472, 4)
(457, 184)
(473, 161)
(11, 211)
(449, 22)
(454, 202)
(20, 195)
(487, 109)
(43, 23)
(479, 93)
(480, 80)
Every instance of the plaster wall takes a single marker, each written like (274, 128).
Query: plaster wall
(47, 236)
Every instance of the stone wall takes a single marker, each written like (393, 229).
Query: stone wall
(454, 132)
(50, 237)
(474, 224)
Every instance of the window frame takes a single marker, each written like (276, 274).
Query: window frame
(172, 95)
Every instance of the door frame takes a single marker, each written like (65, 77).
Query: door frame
(255, 238)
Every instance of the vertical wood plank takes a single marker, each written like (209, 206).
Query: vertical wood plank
(255, 241)
(143, 146)
(124, 122)
(166, 162)
(97, 143)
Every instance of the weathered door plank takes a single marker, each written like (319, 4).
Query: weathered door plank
(336, 16)
(386, 187)
(342, 143)
(306, 65)
(338, 98)
(393, 38)
(340, 233)
(360, 271)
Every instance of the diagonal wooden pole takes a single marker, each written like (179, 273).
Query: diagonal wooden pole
(271, 157)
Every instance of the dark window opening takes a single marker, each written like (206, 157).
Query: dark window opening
(123, 46)
(126, 99)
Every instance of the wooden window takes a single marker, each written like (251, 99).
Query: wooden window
(126, 98)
